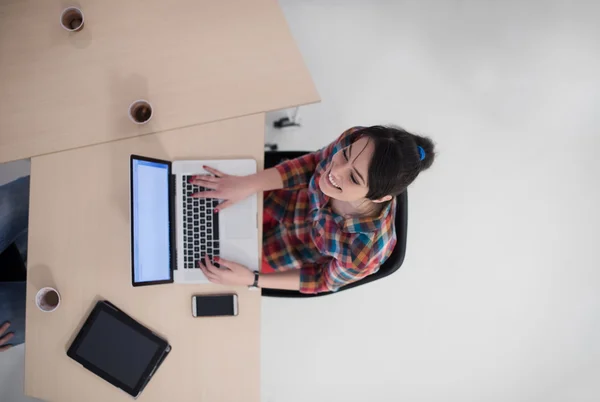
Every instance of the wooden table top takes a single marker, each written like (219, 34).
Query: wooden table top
(196, 61)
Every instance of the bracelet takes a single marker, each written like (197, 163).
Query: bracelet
(256, 276)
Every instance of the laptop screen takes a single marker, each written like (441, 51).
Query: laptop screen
(151, 237)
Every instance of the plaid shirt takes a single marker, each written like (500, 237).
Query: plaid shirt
(330, 250)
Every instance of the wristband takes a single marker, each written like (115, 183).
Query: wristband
(255, 284)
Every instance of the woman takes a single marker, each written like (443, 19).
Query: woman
(329, 215)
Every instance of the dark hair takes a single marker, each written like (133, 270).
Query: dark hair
(396, 160)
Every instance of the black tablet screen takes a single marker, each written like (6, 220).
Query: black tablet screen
(117, 349)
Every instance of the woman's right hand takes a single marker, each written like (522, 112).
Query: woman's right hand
(231, 189)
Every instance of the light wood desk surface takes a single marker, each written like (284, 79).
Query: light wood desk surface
(196, 61)
(80, 242)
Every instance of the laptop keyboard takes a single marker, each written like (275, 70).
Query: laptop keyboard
(200, 226)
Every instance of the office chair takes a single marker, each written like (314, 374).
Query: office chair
(391, 265)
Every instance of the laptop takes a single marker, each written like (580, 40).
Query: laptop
(171, 231)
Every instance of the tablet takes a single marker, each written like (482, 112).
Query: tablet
(118, 349)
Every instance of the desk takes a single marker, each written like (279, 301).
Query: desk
(79, 241)
(196, 61)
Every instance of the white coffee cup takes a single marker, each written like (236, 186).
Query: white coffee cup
(71, 19)
(140, 111)
(47, 299)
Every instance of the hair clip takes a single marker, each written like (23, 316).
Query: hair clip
(421, 152)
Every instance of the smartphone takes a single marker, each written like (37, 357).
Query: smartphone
(214, 305)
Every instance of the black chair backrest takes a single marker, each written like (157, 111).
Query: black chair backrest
(391, 265)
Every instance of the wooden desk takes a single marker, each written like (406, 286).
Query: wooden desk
(79, 241)
(196, 61)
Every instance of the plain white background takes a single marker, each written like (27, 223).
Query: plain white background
(499, 296)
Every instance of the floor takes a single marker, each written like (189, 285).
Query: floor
(498, 298)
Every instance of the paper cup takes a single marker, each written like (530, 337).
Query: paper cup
(47, 299)
(140, 111)
(71, 19)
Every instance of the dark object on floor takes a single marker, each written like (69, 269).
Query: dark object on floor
(12, 268)
(285, 122)
(391, 265)
(291, 121)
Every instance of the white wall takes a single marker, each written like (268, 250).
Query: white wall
(499, 296)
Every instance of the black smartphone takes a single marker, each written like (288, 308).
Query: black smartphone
(214, 305)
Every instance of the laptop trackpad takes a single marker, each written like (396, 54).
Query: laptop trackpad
(237, 221)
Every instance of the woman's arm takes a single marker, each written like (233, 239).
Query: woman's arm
(234, 189)
(266, 180)
(232, 273)
(293, 174)
(288, 280)
(309, 279)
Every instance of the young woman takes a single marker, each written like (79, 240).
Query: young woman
(329, 215)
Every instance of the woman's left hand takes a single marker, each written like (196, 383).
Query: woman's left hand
(230, 272)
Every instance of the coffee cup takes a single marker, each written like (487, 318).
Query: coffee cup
(47, 299)
(140, 111)
(71, 19)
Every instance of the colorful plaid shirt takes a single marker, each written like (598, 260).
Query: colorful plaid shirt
(330, 250)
